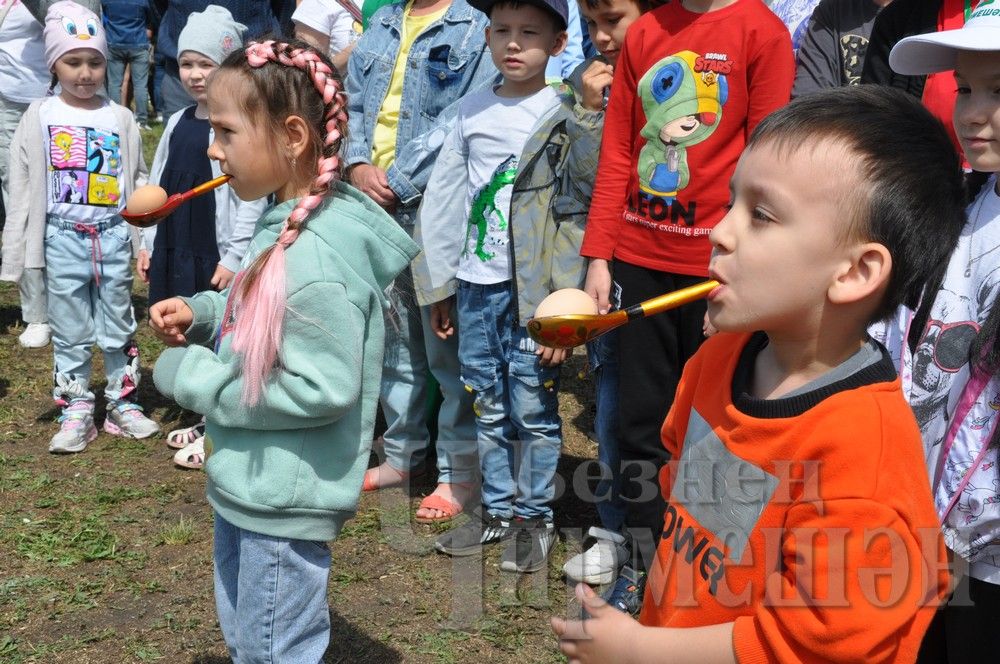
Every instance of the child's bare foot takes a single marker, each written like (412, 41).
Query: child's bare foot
(383, 477)
(445, 503)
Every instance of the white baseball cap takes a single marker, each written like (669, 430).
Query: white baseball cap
(935, 51)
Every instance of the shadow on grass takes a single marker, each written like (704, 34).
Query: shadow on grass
(9, 316)
(578, 380)
(347, 644)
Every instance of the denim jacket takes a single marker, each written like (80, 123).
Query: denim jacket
(548, 211)
(450, 58)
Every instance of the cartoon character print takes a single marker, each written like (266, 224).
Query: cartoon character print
(63, 142)
(103, 190)
(67, 147)
(103, 152)
(682, 96)
(973, 530)
(974, 499)
(943, 350)
(70, 187)
(84, 164)
(78, 23)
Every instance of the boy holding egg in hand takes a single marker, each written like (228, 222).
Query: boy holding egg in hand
(518, 241)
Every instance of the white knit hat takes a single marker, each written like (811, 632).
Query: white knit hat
(935, 51)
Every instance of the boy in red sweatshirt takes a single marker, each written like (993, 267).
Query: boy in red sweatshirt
(799, 523)
(693, 78)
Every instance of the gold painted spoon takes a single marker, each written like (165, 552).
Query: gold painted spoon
(572, 330)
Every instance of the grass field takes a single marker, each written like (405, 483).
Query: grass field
(105, 556)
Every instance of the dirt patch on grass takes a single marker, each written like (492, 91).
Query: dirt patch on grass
(106, 555)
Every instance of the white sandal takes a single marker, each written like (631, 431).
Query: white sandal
(191, 456)
(180, 438)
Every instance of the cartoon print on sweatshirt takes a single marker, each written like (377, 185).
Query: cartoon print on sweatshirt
(84, 165)
(682, 96)
(944, 347)
(486, 218)
(974, 499)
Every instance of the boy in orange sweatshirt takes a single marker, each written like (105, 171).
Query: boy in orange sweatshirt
(799, 523)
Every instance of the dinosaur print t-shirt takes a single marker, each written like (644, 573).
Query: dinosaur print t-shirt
(84, 155)
(491, 132)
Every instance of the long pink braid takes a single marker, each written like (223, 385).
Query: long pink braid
(261, 291)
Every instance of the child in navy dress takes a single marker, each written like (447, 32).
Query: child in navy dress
(200, 245)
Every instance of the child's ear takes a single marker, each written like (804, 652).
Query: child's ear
(866, 273)
(487, 32)
(560, 44)
(296, 136)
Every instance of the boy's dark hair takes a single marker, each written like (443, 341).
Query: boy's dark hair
(914, 199)
(558, 24)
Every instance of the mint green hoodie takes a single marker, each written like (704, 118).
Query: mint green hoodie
(292, 466)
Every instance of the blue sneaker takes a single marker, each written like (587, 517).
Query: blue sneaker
(626, 594)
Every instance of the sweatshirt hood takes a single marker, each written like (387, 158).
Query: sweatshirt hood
(366, 236)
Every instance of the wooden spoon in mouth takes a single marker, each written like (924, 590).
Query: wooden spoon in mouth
(153, 217)
(573, 330)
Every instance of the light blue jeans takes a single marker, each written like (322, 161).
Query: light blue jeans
(603, 355)
(517, 407)
(411, 350)
(270, 594)
(88, 277)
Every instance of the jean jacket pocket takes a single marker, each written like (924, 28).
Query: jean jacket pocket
(445, 72)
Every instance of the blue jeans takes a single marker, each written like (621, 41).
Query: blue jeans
(411, 350)
(517, 406)
(90, 302)
(603, 355)
(138, 57)
(270, 594)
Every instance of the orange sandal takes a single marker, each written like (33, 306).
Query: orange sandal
(451, 507)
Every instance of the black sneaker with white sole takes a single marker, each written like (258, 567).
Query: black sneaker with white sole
(528, 550)
(470, 538)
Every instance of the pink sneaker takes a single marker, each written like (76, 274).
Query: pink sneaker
(76, 429)
(127, 419)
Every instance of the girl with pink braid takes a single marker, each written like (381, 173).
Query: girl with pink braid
(285, 364)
